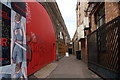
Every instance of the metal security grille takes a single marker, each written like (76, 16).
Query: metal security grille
(103, 49)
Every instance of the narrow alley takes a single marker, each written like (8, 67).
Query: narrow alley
(67, 67)
(70, 67)
(59, 39)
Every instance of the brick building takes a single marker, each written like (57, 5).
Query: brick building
(107, 10)
(88, 20)
(80, 43)
(103, 49)
(97, 36)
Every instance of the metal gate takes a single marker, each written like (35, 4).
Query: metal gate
(103, 50)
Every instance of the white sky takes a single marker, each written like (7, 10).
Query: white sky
(67, 8)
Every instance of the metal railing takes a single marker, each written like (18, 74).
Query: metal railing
(103, 49)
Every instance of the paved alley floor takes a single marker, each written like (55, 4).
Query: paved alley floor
(70, 67)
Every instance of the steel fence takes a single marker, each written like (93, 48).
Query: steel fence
(103, 50)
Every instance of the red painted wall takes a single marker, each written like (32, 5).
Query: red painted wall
(40, 37)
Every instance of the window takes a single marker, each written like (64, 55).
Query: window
(100, 16)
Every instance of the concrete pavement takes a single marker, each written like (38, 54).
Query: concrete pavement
(70, 67)
(67, 67)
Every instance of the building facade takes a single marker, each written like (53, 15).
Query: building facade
(82, 26)
(99, 46)
(103, 40)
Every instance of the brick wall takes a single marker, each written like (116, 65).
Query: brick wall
(84, 52)
(111, 10)
(75, 46)
(93, 25)
(62, 48)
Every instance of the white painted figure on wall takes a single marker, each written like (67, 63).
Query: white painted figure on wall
(18, 46)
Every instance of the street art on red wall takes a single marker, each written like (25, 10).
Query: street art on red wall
(27, 39)
(40, 38)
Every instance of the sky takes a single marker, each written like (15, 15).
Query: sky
(67, 9)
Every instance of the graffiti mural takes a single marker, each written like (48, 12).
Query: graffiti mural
(13, 41)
